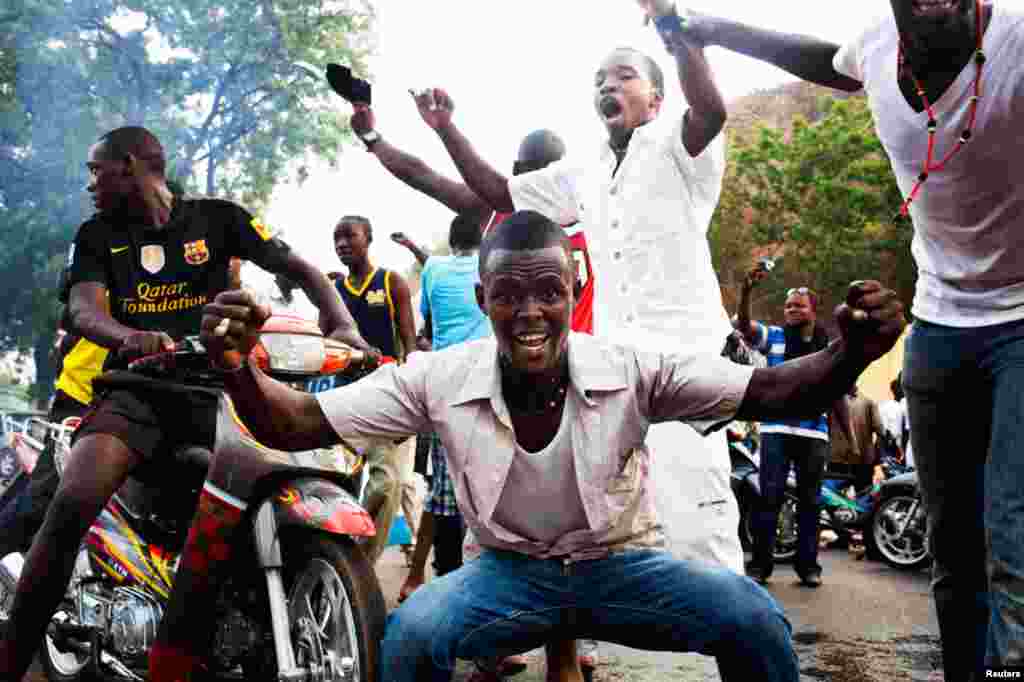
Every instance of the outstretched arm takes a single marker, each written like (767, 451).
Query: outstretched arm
(413, 171)
(436, 107)
(280, 416)
(706, 115)
(744, 324)
(807, 58)
(871, 322)
(419, 254)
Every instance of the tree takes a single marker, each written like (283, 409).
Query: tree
(823, 195)
(225, 84)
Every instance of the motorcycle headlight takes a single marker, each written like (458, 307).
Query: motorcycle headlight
(299, 353)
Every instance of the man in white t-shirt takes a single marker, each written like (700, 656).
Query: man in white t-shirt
(646, 194)
(950, 72)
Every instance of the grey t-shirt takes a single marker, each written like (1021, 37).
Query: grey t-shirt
(541, 499)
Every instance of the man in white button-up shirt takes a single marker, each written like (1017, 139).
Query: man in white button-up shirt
(646, 194)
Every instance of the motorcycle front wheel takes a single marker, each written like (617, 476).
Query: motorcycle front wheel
(908, 549)
(60, 665)
(63, 663)
(785, 530)
(336, 607)
(8, 581)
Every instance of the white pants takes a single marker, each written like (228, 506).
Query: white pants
(690, 484)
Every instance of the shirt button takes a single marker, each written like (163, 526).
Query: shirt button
(623, 288)
(615, 224)
(617, 255)
(630, 318)
(614, 190)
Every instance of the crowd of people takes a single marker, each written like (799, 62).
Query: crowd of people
(571, 377)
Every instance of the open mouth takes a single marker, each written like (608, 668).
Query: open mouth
(610, 107)
(533, 341)
(932, 8)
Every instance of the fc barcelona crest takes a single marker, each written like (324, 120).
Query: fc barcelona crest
(152, 257)
(196, 252)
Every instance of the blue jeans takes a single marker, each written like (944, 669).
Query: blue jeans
(808, 455)
(965, 396)
(506, 603)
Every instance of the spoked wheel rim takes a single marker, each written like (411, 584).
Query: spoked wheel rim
(67, 663)
(7, 585)
(325, 623)
(906, 549)
(786, 531)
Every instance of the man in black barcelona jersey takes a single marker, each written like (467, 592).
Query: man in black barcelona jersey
(160, 258)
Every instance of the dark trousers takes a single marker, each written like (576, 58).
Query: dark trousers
(966, 411)
(779, 452)
(449, 532)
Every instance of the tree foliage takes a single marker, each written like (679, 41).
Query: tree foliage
(822, 196)
(225, 84)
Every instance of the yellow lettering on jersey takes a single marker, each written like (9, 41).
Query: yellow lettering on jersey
(376, 297)
(154, 292)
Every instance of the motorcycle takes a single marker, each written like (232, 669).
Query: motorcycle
(898, 526)
(840, 512)
(745, 481)
(300, 603)
(21, 436)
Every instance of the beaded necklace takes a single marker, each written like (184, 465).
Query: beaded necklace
(965, 136)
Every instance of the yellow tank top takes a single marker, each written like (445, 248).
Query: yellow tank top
(81, 365)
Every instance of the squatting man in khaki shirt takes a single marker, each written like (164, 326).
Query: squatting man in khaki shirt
(545, 435)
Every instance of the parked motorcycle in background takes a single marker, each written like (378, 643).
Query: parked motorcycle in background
(898, 527)
(21, 441)
(745, 481)
(888, 517)
(301, 601)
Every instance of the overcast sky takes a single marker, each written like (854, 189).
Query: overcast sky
(511, 67)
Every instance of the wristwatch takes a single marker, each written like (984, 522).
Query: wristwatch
(370, 138)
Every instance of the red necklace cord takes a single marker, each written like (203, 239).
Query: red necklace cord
(927, 167)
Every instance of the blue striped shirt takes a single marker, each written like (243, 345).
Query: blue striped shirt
(771, 341)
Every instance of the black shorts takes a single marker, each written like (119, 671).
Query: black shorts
(153, 417)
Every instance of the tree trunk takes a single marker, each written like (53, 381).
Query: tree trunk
(211, 174)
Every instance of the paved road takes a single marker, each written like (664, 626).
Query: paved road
(867, 623)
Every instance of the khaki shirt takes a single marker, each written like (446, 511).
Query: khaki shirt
(866, 422)
(617, 393)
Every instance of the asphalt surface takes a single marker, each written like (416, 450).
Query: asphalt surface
(867, 623)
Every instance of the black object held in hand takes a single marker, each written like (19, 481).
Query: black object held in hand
(353, 90)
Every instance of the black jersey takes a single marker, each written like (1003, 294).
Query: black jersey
(159, 279)
(373, 310)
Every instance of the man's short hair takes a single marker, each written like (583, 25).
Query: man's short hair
(465, 231)
(654, 72)
(140, 143)
(521, 231)
(359, 220)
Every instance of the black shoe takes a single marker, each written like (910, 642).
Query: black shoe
(812, 579)
(757, 572)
